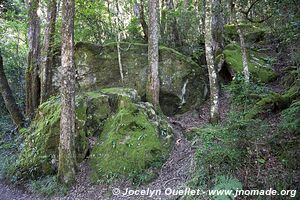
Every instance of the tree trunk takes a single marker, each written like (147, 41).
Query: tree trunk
(143, 21)
(32, 76)
(217, 33)
(175, 36)
(202, 22)
(242, 43)
(118, 40)
(163, 18)
(67, 158)
(152, 90)
(213, 78)
(9, 99)
(48, 57)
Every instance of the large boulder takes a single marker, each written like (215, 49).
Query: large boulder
(183, 82)
(252, 33)
(260, 66)
(131, 137)
(134, 143)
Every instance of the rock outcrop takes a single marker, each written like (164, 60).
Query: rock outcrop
(124, 135)
(183, 82)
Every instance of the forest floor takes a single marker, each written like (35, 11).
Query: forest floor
(10, 192)
(175, 172)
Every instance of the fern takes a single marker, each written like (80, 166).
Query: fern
(227, 183)
(291, 117)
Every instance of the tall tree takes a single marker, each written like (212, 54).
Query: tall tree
(174, 34)
(152, 90)
(217, 33)
(143, 21)
(32, 71)
(118, 39)
(67, 159)
(8, 97)
(213, 75)
(48, 54)
(242, 41)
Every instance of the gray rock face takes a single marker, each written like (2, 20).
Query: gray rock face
(183, 82)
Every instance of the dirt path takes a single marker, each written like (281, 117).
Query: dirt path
(8, 192)
(174, 174)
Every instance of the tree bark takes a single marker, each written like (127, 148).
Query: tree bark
(217, 26)
(8, 98)
(32, 71)
(118, 40)
(143, 21)
(48, 54)
(67, 159)
(152, 90)
(175, 36)
(213, 75)
(217, 32)
(242, 43)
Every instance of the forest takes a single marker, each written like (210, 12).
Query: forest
(149, 99)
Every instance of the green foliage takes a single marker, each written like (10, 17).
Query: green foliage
(224, 147)
(291, 117)
(218, 153)
(245, 95)
(13, 32)
(286, 141)
(47, 186)
(8, 156)
(226, 183)
(40, 137)
(92, 22)
(227, 147)
(135, 30)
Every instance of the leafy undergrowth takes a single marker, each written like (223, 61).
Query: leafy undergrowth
(47, 186)
(248, 153)
(10, 147)
(9, 144)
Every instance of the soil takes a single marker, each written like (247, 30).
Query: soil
(10, 192)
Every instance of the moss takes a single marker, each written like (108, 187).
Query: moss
(112, 113)
(252, 32)
(41, 140)
(98, 67)
(258, 67)
(274, 101)
(130, 144)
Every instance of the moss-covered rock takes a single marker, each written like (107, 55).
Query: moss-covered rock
(183, 82)
(275, 101)
(259, 67)
(113, 115)
(253, 33)
(134, 143)
(40, 152)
